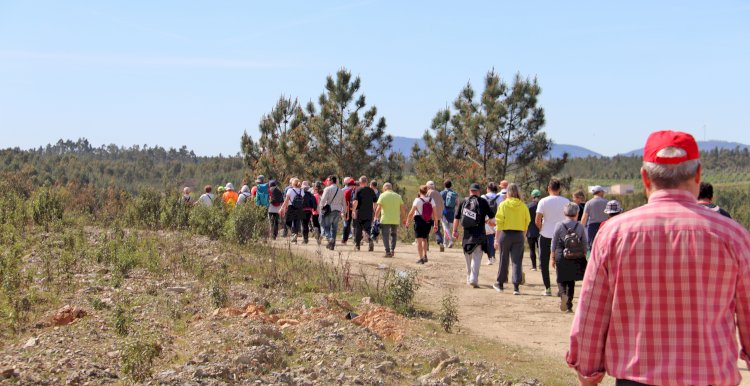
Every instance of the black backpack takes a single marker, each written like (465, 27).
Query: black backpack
(470, 213)
(309, 201)
(276, 196)
(574, 248)
(493, 203)
(298, 202)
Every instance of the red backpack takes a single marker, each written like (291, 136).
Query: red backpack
(426, 209)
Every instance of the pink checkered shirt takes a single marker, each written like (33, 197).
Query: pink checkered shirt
(660, 296)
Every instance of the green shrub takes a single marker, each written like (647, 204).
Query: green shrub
(137, 359)
(207, 221)
(175, 214)
(47, 206)
(218, 293)
(449, 311)
(121, 319)
(401, 290)
(246, 223)
(145, 209)
(13, 210)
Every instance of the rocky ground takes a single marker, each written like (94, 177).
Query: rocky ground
(164, 329)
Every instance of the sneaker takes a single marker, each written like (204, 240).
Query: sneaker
(569, 311)
(371, 246)
(490, 261)
(547, 292)
(450, 244)
(356, 248)
(497, 287)
(421, 261)
(294, 238)
(442, 248)
(387, 254)
(475, 285)
(424, 259)
(563, 302)
(533, 269)
(516, 292)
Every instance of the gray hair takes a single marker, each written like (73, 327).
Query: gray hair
(513, 191)
(571, 209)
(669, 176)
(363, 179)
(387, 186)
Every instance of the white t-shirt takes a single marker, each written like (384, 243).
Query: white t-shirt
(419, 203)
(294, 192)
(206, 199)
(489, 223)
(551, 207)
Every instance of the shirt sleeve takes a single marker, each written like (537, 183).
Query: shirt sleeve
(500, 217)
(743, 298)
(588, 334)
(458, 211)
(540, 207)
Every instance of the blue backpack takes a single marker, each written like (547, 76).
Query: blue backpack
(261, 195)
(449, 197)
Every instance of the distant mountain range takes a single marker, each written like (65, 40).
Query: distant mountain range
(404, 145)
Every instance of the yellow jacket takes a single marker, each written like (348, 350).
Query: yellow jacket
(512, 215)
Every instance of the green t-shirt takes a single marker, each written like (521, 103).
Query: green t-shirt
(390, 212)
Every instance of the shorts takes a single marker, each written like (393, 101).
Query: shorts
(422, 228)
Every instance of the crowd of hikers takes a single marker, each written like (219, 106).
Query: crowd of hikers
(676, 268)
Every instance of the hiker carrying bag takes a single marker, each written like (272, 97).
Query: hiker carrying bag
(493, 203)
(470, 213)
(298, 202)
(277, 198)
(450, 199)
(574, 248)
(261, 195)
(426, 210)
(327, 207)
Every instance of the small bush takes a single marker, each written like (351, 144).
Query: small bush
(137, 359)
(145, 209)
(207, 221)
(175, 214)
(449, 311)
(246, 223)
(402, 289)
(218, 293)
(121, 320)
(47, 207)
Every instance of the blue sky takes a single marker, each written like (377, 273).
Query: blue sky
(200, 73)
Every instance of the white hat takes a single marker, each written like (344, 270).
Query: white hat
(245, 189)
(597, 188)
(229, 186)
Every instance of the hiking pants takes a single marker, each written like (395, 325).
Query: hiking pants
(447, 226)
(330, 224)
(490, 245)
(347, 228)
(316, 224)
(389, 236)
(568, 288)
(545, 247)
(306, 224)
(473, 261)
(359, 227)
(592, 230)
(439, 233)
(533, 246)
(273, 218)
(511, 250)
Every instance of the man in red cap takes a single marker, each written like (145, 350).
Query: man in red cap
(667, 285)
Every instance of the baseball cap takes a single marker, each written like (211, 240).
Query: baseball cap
(536, 193)
(504, 192)
(475, 186)
(352, 182)
(613, 207)
(272, 183)
(597, 188)
(659, 140)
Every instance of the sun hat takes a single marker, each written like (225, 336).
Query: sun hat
(229, 186)
(660, 140)
(596, 189)
(245, 189)
(261, 179)
(613, 207)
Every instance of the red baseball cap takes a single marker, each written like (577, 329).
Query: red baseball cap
(660, 140)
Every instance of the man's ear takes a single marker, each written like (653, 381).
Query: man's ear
(698, 174)
(646, 180)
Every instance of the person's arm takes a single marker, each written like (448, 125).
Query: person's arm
(355, 203)
(585, 216)
(377, 212)
(584, 240)
(538, 220)
(284, 206)
(410, 216)
(403, 213)
(588, 334)
(742, 294)
(456, 223)
(435, 218)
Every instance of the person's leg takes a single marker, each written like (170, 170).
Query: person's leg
(439, 233)
(571, 291)
(357, 225)
(367, 229)
(491, 247)
(476, 262)
(533, 245)
(447, 236)
(394, 234)
(274, 219)
(347, 229)
(502, 269)
(592, 230)
(335, 216)
(306, 225)
(545, 245)
(316, 226)
(469, 266)
(420, 248)
(516, 256)
(385, 230)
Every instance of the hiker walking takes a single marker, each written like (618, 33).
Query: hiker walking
(706, 198)
(274, 207)
(569, 245)
(260, 192)
(470, 215)
(494, 199)
(293, 208)
(593, 213)
(186, 199)
(308, 206)
(512, 220)
(244, 197)
(532, 234)
(206, 199)
(391, 212)
(423, 214)
(363, 209)
(437, 198)
(230, 196)
(549, 212)
(331, 206)
(579, 197)
(666, 296)
(317, 191)
(349, 187)
(450, 201)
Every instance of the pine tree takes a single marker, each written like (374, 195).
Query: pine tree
(441, 156)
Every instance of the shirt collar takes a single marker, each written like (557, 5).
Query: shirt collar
(663, 195)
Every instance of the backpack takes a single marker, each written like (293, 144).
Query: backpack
(261, 195)
(309, 201)
(493, 203)
(450, 198)
(426, 210)
(276, 196)
(574, 248)
(470, 213)
(243, 198)
(298, 202)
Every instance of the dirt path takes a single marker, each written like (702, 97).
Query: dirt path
(529, 320)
